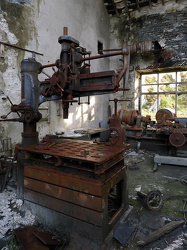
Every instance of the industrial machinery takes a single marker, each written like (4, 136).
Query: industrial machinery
(72, 78)
(168, 130)
(80, 183)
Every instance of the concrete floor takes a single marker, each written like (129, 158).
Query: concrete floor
(142, 177)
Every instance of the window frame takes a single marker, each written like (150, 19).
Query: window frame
(158, 83)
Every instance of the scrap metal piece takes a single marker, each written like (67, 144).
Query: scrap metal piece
(123, 232)
(154, 200)
(177, 139)
(47, 238)
(27, 239)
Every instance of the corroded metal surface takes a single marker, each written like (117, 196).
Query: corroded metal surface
(80, 150)
(164, 114)
(129, 116)
(71, 79)
(27, 239)
(118, 134)
(177, 139)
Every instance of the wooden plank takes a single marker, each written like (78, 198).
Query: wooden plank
(57, 177)
(159, 159)
(160, 232)
(69, 195)
(84, 214)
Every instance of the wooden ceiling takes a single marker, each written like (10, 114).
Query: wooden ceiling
(120, 7)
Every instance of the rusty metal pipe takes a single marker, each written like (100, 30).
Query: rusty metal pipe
(105, 55)
(125, 67)
(106, 50)
(48, 65)
(16, 47)
(65, 31)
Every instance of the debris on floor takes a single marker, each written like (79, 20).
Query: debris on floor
(123, 232)
(13, 214)
(30, 238)
(160, 232)
(142, 222)
(172, 194)
(153, 199)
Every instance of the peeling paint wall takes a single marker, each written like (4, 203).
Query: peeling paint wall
(36, 25)
(15, 20)
(163, 23)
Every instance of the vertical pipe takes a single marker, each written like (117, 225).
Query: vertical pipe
(65, 31)
(30, 98)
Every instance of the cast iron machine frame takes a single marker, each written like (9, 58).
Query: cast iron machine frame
(92, 174)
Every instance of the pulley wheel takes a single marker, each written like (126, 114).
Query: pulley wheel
(154, 200)
(177, 139)
(164, 114)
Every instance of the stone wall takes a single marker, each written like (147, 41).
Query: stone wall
(165, 24)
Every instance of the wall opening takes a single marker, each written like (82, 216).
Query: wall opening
(99, 47)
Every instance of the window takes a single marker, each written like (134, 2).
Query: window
(164, 90)
(99, 47)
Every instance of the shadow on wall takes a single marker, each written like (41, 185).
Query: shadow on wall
(82, 115)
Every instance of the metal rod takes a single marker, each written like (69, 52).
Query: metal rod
(48, 65)
(16, 47)
(10, 120)
(104, 55)
(106, 50)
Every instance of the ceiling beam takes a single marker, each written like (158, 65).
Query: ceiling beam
(126, 7)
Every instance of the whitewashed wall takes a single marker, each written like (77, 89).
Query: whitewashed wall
(36, 25)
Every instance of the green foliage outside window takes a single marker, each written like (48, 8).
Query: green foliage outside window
(165, 94)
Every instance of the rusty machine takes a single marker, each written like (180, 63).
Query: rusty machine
(81, 184)
(168, 131)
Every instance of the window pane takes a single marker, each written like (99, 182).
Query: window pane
(167, 77)
(149, 88)
(149, 105)
(160, 91)
(182, 87)
(149, 79)
(167, 87)
(181, 105)
(167, 101)
(182, 76)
